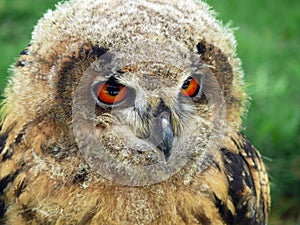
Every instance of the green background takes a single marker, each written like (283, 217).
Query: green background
(269, 46)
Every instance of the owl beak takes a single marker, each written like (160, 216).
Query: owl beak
(163, 134)
(166, 139)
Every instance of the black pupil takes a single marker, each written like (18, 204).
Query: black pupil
(113, 89)
(186, 83)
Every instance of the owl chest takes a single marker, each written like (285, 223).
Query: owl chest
(42, 202)
(162, 206)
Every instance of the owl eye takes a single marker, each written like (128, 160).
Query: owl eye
(111, 92)
(190, 87)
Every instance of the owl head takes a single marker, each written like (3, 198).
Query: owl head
(136, 90)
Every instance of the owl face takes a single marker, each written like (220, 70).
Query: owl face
(131, 110)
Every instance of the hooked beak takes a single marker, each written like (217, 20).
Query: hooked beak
(167, 135)
(163, 131)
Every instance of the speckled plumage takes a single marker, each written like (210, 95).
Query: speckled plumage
(52, 170)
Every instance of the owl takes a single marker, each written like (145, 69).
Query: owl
(129, 112)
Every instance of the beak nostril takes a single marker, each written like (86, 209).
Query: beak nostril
(161, 108)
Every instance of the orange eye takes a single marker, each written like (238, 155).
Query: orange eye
(111, 92)
(190, 87)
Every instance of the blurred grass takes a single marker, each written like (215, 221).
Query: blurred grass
(17, 18)
(269, 46)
